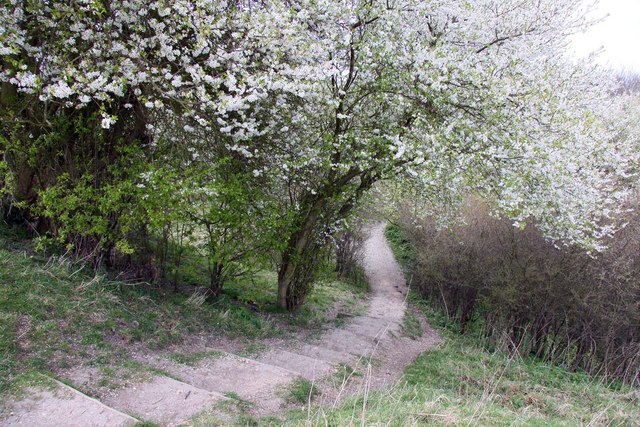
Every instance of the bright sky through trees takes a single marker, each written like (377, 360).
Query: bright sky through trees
(618, 35)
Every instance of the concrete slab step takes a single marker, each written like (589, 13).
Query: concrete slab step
(374, 327)
(163, 400)
(259, 383)
(64, 406)
(348, 342)
(386, 306)
(307, 367)
(323, 353)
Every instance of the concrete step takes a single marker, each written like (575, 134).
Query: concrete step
(321, 352)
(163, 400)
(260, 383)
(343, 340)
(305, 366)
(63, 406)
(374, 327)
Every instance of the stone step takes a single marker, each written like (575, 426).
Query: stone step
(259, 383)
(321, 352)
(389, 307)
(345, 341)
(163, 400)
(305, 366)
(374, 327)
(64, 406)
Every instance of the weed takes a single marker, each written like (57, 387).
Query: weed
(340, 322)
(245, 420)
(241, 404)
(233, 395)
(344, 373)
(411, 326)
(302, 391)
(373, 361)
(253, 349)
(210, 417)
(147, 424)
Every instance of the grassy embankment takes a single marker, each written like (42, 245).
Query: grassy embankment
(55, 314)
(462, 383)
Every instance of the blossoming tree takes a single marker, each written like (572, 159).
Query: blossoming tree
(321, 99)
(451, 97)
(97, 94)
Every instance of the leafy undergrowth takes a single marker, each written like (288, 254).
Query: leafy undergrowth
(411, 327)
(55, 314)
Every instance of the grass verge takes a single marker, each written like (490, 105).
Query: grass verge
(460, 383)
(402, 249)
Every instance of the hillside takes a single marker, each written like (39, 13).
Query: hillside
(238, 364)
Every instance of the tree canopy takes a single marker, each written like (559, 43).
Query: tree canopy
(301, 107)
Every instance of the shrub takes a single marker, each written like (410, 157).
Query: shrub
(531, 296)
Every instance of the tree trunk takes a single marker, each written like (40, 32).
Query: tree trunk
(298, 259)
(24, 173)
(292, 257)
(216, 279)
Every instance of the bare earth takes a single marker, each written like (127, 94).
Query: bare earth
(368, 353)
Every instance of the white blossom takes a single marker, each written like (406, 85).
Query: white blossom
(107, 121)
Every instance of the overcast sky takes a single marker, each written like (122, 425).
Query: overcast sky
(618, 35)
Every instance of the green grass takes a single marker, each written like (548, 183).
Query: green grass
(233, 411)
(147, 424)
(344, 373)
(49, 310)
(402, 249)
(301, 391)
(411, 326)
(461, 383)
(329, 294)
(345, 297)
(239, 401)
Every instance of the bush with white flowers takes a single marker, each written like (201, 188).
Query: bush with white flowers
(317, 100)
